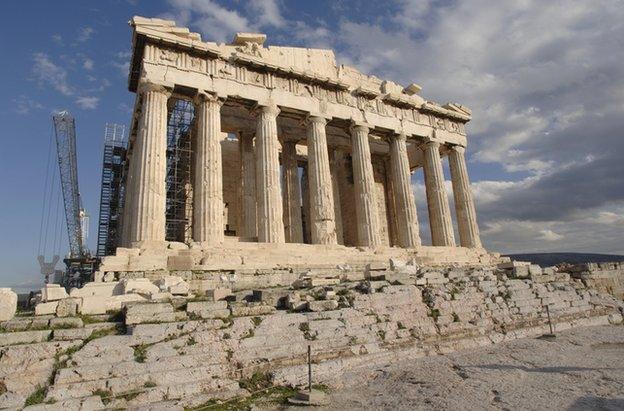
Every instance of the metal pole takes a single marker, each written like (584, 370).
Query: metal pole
(549, 321)
(309, 369)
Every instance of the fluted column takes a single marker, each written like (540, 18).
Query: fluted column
(268, 190)
(464, 203)
(323, 220)
(291, 194)
(335, 162)
(437, 200)
(208, 184)
(248, 185)
(405, 207)
(364, 185)
(305, 199)
(147, 213)
(127, 205)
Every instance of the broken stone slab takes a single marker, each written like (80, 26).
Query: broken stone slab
(107, 289)
(53, 292)
(46, 308)
(274, 297)
(68, 307)
(142, 286)
(322, 305)
(8, 304)
(17, 324)
(251, 310)
(216, 294)
(24, 337)
(138, 313)
(208, 309)
(173, 284)
(72, 334)
(66, 322)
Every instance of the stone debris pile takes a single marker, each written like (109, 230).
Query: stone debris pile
(153, 342)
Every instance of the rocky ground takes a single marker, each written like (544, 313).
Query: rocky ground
(580, 369)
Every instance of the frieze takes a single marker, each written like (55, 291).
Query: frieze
(388, 105)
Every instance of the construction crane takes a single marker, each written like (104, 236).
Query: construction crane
(79, 262)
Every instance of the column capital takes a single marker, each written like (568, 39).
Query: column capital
(359, 126)
(206, 96)
(147, 86)
(430, 143)
(400, 137)
(458, 149)
(313, 117)
(269, 108)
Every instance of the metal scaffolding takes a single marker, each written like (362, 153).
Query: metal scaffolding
(179, 210)
(111, 192)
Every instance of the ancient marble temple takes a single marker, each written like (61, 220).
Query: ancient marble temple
(287, 146)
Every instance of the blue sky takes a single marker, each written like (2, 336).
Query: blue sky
(544, 80)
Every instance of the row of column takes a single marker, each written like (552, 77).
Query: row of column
(262, 195)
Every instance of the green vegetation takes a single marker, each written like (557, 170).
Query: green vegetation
(191, 341)
(256, 321)
(149, 384)
(140, 352)
(36, 397)
(434, 313)
(455, 318)
(106, 396)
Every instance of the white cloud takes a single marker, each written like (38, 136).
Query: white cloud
(84, 34)
(87, 64)
(46, 72)
(213, 20)
(268, 13)
(24, 105)
(57, 38)
(549, 235)
(87, 102)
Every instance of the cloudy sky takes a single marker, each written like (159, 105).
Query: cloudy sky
(544, 79)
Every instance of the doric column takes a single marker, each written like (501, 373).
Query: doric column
(364, 184)
(291, 193)
(208, 184)
(127, 205)
(305, 199)
(405, 207)
(268, 190)
(437, 200)
(248, 225)
(464, 203)
(147, 213)
(323, 220)
(336, 159)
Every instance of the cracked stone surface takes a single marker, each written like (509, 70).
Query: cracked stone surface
(581, 368)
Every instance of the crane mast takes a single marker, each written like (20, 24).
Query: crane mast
(80, 264)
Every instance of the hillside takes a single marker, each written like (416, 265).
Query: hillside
(550, 259)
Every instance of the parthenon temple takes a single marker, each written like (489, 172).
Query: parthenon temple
(281, 145)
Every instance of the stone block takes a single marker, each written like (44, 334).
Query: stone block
(397, 264)
(68, 307)
(208, 309)
(141, 286)
(216, 294)
(138, 313)
(53, 292)
(24, 337)
(173, 284)
(520, 272)
(117, 302)
(17, 324)
(322, 305)
(94, 305)
(535, 269)
(72, 334)
(46, 308)
(8, 304)
(107, 289)
(66, 322)
(251, 310)
(180, 263)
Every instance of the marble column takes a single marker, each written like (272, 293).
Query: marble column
(323, 220)
(336, 159)
(437, 200)
(147, 212)
(305, 199)
(268, 188)
(248, 224)
(291, 194)
(208, 183)
(464, 203)
(127, 205)
(364, 185)
(405, 206)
